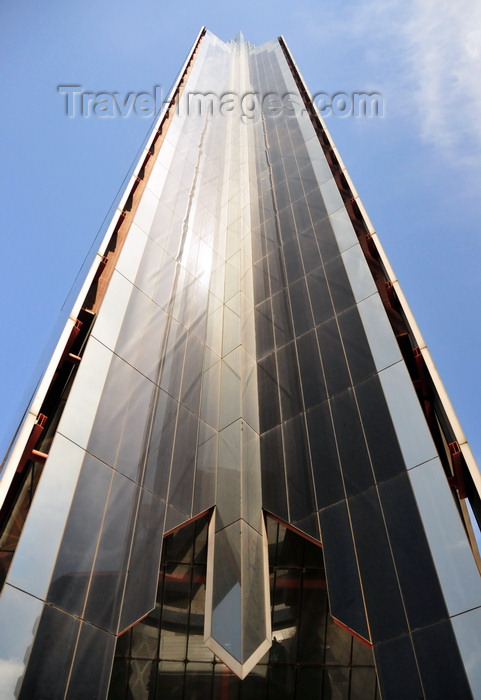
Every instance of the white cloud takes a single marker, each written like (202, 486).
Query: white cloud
(443, 48)
(427, 54)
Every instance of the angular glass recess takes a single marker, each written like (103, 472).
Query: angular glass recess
(237, 615)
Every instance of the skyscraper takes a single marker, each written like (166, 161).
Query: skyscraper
(240, 456)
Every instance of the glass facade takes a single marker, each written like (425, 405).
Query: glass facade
(163, 656)
(239, 358)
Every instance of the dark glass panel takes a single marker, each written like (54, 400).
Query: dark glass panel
(269, 409)
(141, 584)
(290, 549)
(339, 285)
(226, 684)
(342, 573)
(363, 683)
(338, 645)
(301, 215)
(308, 178)
(300, 488)
(296, 135)
(309, 526)
(355, 463)
(336, 682)
(317, 210)
(198, 316)
(159, 452)
(134, 427)
(173, 518)
(49, 664)
(254, 685)
(264, 329)
(119, 679)
(210, 396)
(145, 636)
(290, 391)
(420, 587)
(272, 241)
(309, 250)
(301, 307)
(160, 225)
(274, 497)
(285, 143)
(313, 559)
(312, 377)
(441, 678)
(183, 462)
(175, 612)
(200, 547)
(110, 416)
(141, 679)
(286, 223)
(358, 352)
(361, 653)
(170, 681)
(141, 334)
(397, 669)
(165, 280)
(309, 684)
(325, 235)
(296, 192)
(258, 248)
(282, 194)
(320, 297)
(123, 644)
(173, 359)
(268, 204)
(94, 652)
(276, 271)
(381, 438)
(292, 259)
(107, 584)
(325, 460)
(378, 575)
(191, 380)
(333, 358)
(312, 621)
(198, 681)
(275, 153)
(289, 159)
(196, 650)
(283, 331)
(286, 600)
(261, 281)
(281, 682)
(205, 475)
(72, 571)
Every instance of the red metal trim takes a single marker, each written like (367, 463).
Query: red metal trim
(371, 246)
(101, 267)
(354, 634)
(40, 457)
(187, 522)
(37, 431)
(457, 480)
(293, 528)
(73, 359)
(391, 294)
(71, 339)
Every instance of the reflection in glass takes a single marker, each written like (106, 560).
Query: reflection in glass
(310, 657)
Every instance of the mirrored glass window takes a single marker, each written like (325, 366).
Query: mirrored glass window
(163, 656)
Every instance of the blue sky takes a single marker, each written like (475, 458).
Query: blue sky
(417, 168)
